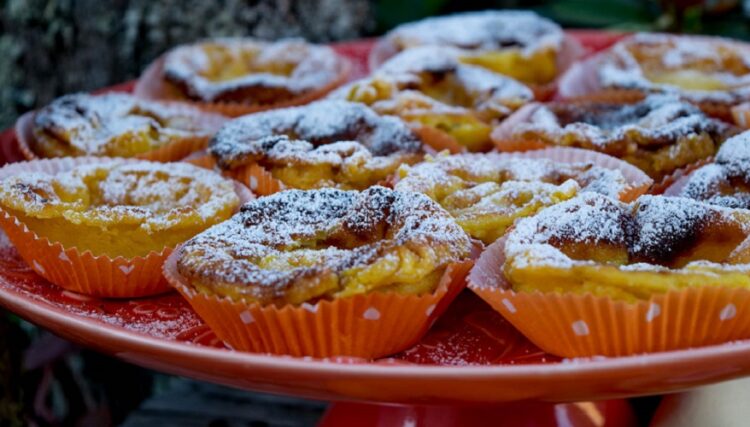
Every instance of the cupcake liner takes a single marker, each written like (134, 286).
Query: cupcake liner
(253, 176)
(572, 325)
(639, 182)
(24, 135)
(679, 175)
(570, 51)
(152, 85)
(83, 272)
(368, 326)
(201, 159)
(172, 151)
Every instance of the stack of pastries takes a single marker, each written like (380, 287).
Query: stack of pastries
(600, 202)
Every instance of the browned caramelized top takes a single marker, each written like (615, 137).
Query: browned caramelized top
(654, 230)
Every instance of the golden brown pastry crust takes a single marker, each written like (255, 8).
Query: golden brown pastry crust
(251, 71)
(115, 125)
(659, 134)
(299, 246)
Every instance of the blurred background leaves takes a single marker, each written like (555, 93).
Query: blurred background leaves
(719, 17)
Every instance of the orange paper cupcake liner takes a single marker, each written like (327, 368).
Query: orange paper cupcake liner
(638, 181)
(368, 326)
(572, 325)
(170, 152)
(679, 175)
(83, 272)
(152, 85)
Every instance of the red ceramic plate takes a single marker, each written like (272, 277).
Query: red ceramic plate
(470, 355)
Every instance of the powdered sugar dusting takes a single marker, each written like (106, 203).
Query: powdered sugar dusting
(272, 70)
(656, 121)
(83, 124)
(488, 30)
(473, 169)
(156, 196)
(313, 225)
(323, 122)
(652, 231)
(724, 182)
(489, 91)
(632, 63)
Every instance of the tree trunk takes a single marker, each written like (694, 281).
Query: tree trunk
(52, 47)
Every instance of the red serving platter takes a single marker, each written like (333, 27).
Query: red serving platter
(471, 355)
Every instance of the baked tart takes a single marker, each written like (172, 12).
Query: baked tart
(611, 278)
(659, 134)
(518, 44)
(319, 263)
(430, 88)
(709, 71)
(75, 220)
(487, 193)
(337, 144)
(115, 125)
(241, 75)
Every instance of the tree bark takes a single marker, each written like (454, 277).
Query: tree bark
(52, 47)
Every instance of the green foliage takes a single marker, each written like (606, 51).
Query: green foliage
(691, 16)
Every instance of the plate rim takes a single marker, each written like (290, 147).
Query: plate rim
(26, 307)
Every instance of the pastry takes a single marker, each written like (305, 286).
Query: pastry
(594, 244)
(487, 193)
(103, 227)
(119, 208)
(660, 134)
(323, 273)
(518, 44)
(117, 125)
(300, 246)
(430, 88)
(324, 144)
(708, 71)
(236, 76)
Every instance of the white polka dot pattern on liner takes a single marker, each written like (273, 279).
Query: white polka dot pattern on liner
(312, 308)
(371, 313)
(247, 317)
(38, 267)
(580, 328)
(728, 312)
(654, 310)
(253, 183)
(509, 305)
(429, 310)
(126, 269)
(63, 256)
